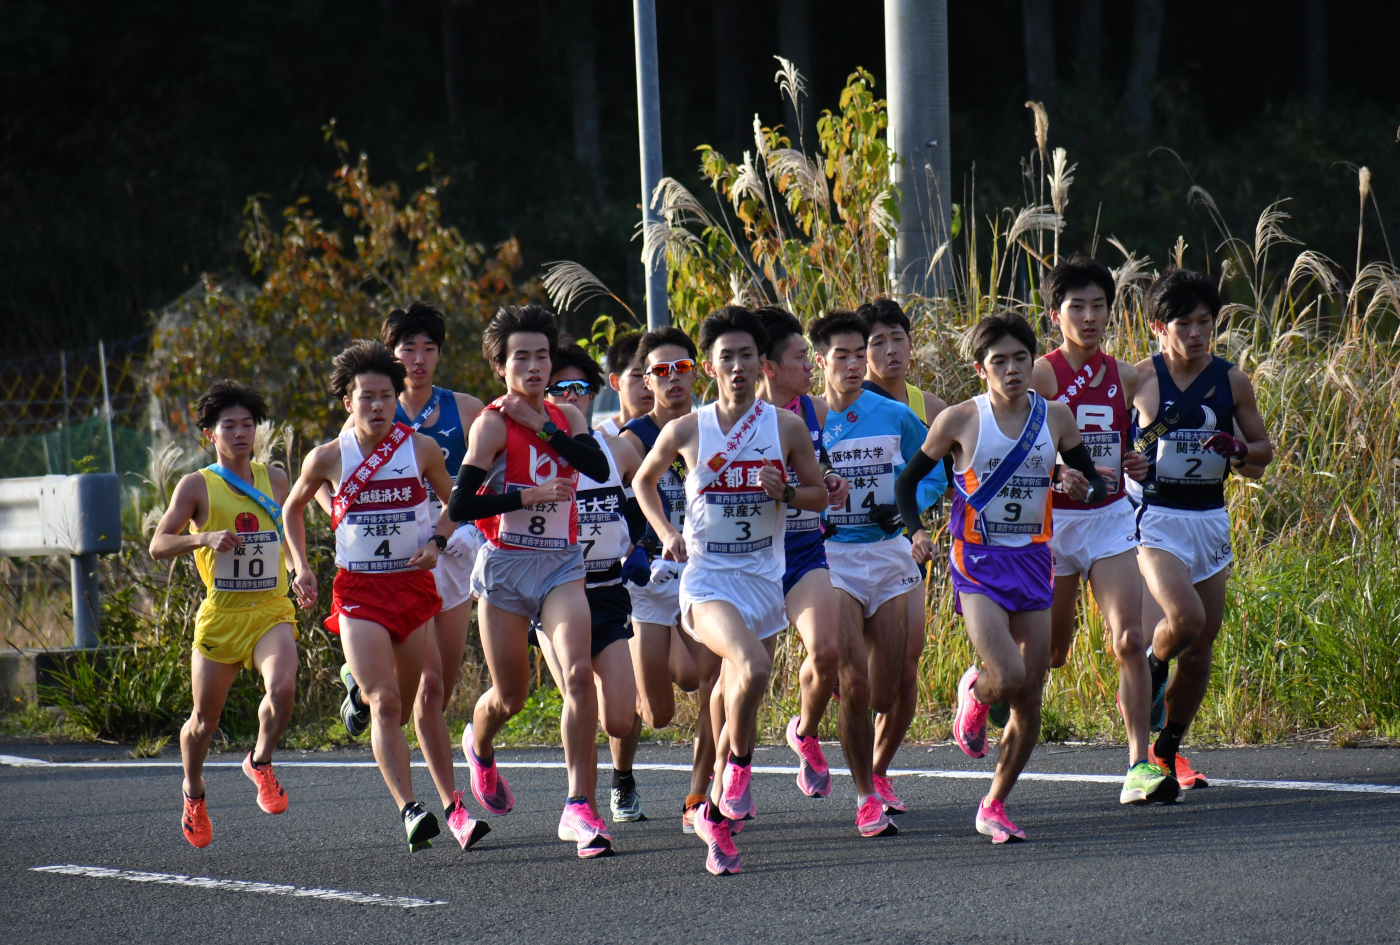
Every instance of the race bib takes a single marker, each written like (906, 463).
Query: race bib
(739, 522)
(602, 531)
(800, 520)
(1019, 508)
(673, 493)
(253, 566)
(867, 463)
(381, 541)
(1182, 461)
(536, 526)
(1106, 449)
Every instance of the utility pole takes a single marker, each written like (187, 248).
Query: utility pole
(916, 69)
(649, 131)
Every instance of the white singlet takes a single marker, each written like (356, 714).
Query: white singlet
(390, 518)
(1020, 513)
(609, 427)
(602, 529)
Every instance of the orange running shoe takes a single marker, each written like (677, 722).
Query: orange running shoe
(271, 797)
(198, 830)
(1187, 776)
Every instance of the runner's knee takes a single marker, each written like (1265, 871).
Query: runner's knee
(753, 675)
(386, 704)
(824, 657)
(203, 725)
(1128, 646)
(430, 692)
(282, 693)
(1006, 683)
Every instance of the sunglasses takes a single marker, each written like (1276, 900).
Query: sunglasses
(564, 388)
(667, 368)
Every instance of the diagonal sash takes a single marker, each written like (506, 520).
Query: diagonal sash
(269, 506)
(426, 412)
(739, 436)
(1174, 414)
(1011, 462)
(1081, 380)
(351, 485)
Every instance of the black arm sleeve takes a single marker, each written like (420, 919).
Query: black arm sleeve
(466, 506)
(583, 453)
(1079, 458)
(906, 488)
(636, 519)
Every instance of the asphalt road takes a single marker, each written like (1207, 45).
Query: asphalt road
(1232, 863)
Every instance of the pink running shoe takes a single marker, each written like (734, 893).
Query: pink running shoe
(813, 776)
(893, 805)
(466, 828)
(872, 821)
(970, 724)
(736, 802)
(723, 856)
(581, 824)
(489, 786)
(993, 822)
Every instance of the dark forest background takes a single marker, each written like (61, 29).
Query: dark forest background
(134, 132)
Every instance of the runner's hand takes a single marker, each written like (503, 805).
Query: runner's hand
(425, 558)
(838, 488)
(1109, 476)
(518, 409)
(636, 568)
(923, 547)
(556, 490)
(304, 588)
(221, 541)
(1072, 483)
(1135, 466)
(1226, 445)
(673, 547)
(773, 481)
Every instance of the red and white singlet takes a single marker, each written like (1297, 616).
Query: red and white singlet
(390, 519)
(1101, 413)
(526, 462)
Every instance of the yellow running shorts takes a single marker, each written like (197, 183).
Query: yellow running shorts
(228, 636)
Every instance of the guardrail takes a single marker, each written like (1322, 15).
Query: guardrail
(79, 516)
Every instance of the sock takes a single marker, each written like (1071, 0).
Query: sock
(861, 799)
(742, 761)
(451, 807)
(581, 799)
(1159, 669)
(712, 813)
(694, 800)
(484, 762)
(1168, 742)
(624, 780)
(258, 764)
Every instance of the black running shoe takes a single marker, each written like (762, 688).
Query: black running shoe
(353, 712)
(421, 826)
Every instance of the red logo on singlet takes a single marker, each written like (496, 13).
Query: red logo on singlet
(245, 522)
(852, 417)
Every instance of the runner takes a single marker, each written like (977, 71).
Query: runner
(524, 459)
(385, 545)
(869, 438)
(1197, 420)
(660, 654)
(233, 509)
(416, 336)
(608, 520)
(626, 377)
(811, 601)
(888, 357)
(1004, 444)
(1098, 543)
(736, 450)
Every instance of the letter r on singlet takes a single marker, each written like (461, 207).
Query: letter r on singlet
(1096, 415)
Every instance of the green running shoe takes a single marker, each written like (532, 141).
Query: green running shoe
(353, 711)
(1148, 784)
(999, 714)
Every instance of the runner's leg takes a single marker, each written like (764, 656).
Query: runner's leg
(1064, 616)
(387, 673)
(814, 608)
(748, 667)
(1118, 593)
(209, 684)
(451, 627)
(275, 656)
(503, 642)
(683, 671)
(429, 722)
(892, 726)
(565, 618)
(651, 661)
(708, 668)
(1187, 687)
(1184, 615)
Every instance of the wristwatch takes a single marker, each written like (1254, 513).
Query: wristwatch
(548, 430)
(789, 493)
(441, 542)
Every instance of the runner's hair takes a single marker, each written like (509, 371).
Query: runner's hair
(365, 356)
(509, 320)
(1176, 293)
(622, 352)
(1077, 272)
(780, 324)
(821, 331)
(993, 328)
(224, 394)
(570, 355)
(662, 336)
(719, 323)
(419, 318)
(884, 311)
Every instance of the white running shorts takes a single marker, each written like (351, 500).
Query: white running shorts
(759, 601)
(453, 573)
(1083, 536)
(660, 601)
(873, 572)
(1201, 539)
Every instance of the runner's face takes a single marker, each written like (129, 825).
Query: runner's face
(674, 390)
(1187, 338)
(527, 366)
(887, 354)
(734, 364)
(793, 368)
(1007, 367)
(232, 434)
(371, 402)
(632, 391)
(1082, 316)
(582, 402)
(420, 356)
(844, 362)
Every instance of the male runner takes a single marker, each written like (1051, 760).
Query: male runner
(607, 521)
(811, 601)
(524, 459)
(234, 512)
(888, 357)
(416, 336)
(660, 654)
(385, 547)
(869, 438)
(1003, 444)
(625, 376)
(736, 451)
(1197, 420)
(1098, 542)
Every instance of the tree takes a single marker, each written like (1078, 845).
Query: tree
(1142, 69)
(1038, 29)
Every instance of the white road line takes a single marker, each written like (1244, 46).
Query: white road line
(240, 885)
(1344, 787)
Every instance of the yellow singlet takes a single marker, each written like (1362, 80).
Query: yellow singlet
(916, 402)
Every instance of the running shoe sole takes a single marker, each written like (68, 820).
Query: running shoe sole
(601, 846)
(1166, 792)
(421, 838)
(355, 718)
(479, 829)
(998, 833)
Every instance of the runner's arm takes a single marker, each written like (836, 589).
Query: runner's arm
(1260, 451)
(1065, 432)
(488, 439)
(906, 489)
(191, 495)
(810, 494)
(315, 472)
(433, 467)
(938, 442)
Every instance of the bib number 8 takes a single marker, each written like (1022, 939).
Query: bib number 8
(537, 525)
